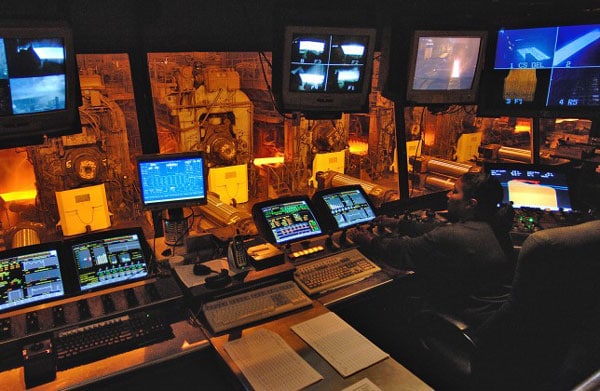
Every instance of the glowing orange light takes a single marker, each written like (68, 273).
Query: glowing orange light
(429, 138)
(522, 126)
(260, 161)
(19, 195)
(358, 147)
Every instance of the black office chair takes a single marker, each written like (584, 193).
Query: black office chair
(545, 337)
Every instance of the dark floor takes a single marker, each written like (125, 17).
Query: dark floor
(202, 370)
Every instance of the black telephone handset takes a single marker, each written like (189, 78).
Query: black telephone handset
(237, 256)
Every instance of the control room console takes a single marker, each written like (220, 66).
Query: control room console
(93, 281)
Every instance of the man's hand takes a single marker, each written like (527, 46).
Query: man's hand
(361, 237)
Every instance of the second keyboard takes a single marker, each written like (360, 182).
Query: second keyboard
(258, 304)
(334, 271)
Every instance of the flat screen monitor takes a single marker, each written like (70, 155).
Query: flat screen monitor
(543, 71)
(343, 207)
(533, 186)
(321, 70)
(286, 220)
(39, 83)
(444, 67)
(172, 181)
(30, 275)
(110, 258)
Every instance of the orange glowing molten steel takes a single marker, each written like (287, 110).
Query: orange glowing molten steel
(358, 147)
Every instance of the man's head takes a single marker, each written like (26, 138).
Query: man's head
(475, 196)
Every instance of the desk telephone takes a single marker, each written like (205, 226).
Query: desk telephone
(237, 256)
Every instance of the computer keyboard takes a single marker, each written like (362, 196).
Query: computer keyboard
(251, 306)
(85, 344)
(334, 271)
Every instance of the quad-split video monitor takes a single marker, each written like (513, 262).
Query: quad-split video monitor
(321, 70)
(39, 82)
(543, 71)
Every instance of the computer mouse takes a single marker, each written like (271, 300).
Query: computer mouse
(201, 269)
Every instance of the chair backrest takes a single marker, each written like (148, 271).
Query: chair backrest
(555, 300)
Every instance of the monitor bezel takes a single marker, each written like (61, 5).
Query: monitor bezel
(491, 102)
(32, 128)
(103, 235)
(562, 169)
(323, 210)
(421, 97)
(66, 271)
(157, 206)
(262, 224)
(314, 104)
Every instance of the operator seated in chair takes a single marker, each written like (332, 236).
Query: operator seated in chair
(463, 267)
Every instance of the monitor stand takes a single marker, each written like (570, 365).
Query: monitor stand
(175, 226)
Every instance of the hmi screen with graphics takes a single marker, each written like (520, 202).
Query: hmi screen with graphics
(109, 258)
(286, 220)
(173, 180)
(348, 205)
(30, 275)
(537, 187)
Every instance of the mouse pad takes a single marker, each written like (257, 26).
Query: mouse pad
(189, 279)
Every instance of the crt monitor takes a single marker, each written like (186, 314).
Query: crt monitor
(343, 207)
(31, 275)
(39, 82)
(324, 69)
(173, 181)
(110, 258)
(286, 220)
(444, 67)
(533, 186)
(543, 71)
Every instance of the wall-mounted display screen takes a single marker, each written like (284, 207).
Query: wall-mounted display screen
(39, 83)
(444, 66)
(547, 69)
(323, 69)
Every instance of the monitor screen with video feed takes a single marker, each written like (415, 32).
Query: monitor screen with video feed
(30, 275)
(110, 258)
(170, 181)
(39, 82)
(324, 69)
(444, 66)
(285, 220)
(345, 206)
(533, 186)
(544, 71)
